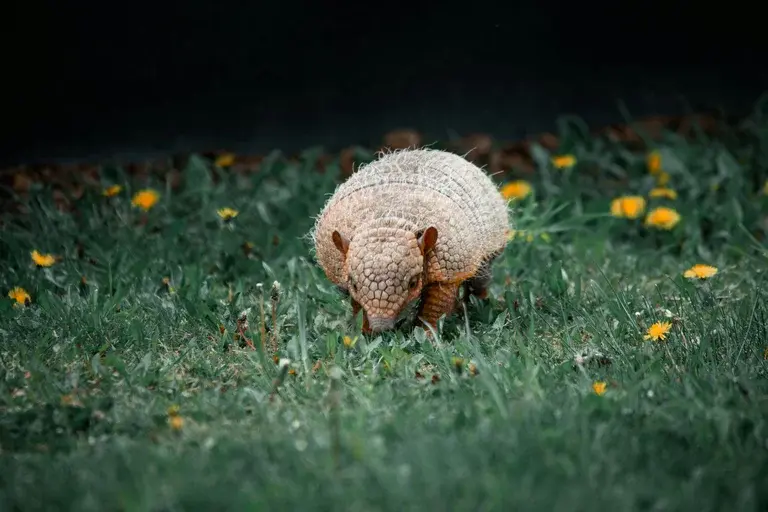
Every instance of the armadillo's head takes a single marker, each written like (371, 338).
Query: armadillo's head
(384, 269)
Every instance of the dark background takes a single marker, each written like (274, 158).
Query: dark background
(87, 80)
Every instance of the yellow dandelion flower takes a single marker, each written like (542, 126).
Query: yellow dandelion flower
(662, 178)
(663, 192)
(227, 213)
(653, 161)
(349, 342)
(43, 260)
(663, 218)
(112, 191)
(599, 387)
(516, 189)
(145, 199)
(224, 160)
(20, 295)
(700, 271)
(563, 161)
(176, 422)
(630, 207)
(658, 331)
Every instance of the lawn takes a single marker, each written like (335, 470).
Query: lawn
(140, 376)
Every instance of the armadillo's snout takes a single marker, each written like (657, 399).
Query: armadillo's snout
(379, 324)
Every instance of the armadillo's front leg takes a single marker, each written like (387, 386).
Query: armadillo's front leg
(437, 299)
(478, 284)
(355, 310)
(477, 288)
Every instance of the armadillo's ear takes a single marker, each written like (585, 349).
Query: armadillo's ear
(428, 239)
(341, 242)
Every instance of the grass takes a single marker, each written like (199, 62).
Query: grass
(499, 413)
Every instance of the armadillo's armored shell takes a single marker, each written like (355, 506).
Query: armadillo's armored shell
(419, 188)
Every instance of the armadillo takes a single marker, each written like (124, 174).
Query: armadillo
(412, 225)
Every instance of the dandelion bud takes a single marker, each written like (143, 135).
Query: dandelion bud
(242, 320)
(275, 298)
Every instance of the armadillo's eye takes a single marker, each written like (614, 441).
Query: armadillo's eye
(413, 283)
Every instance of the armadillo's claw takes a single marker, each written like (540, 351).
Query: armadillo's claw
(366, 326)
